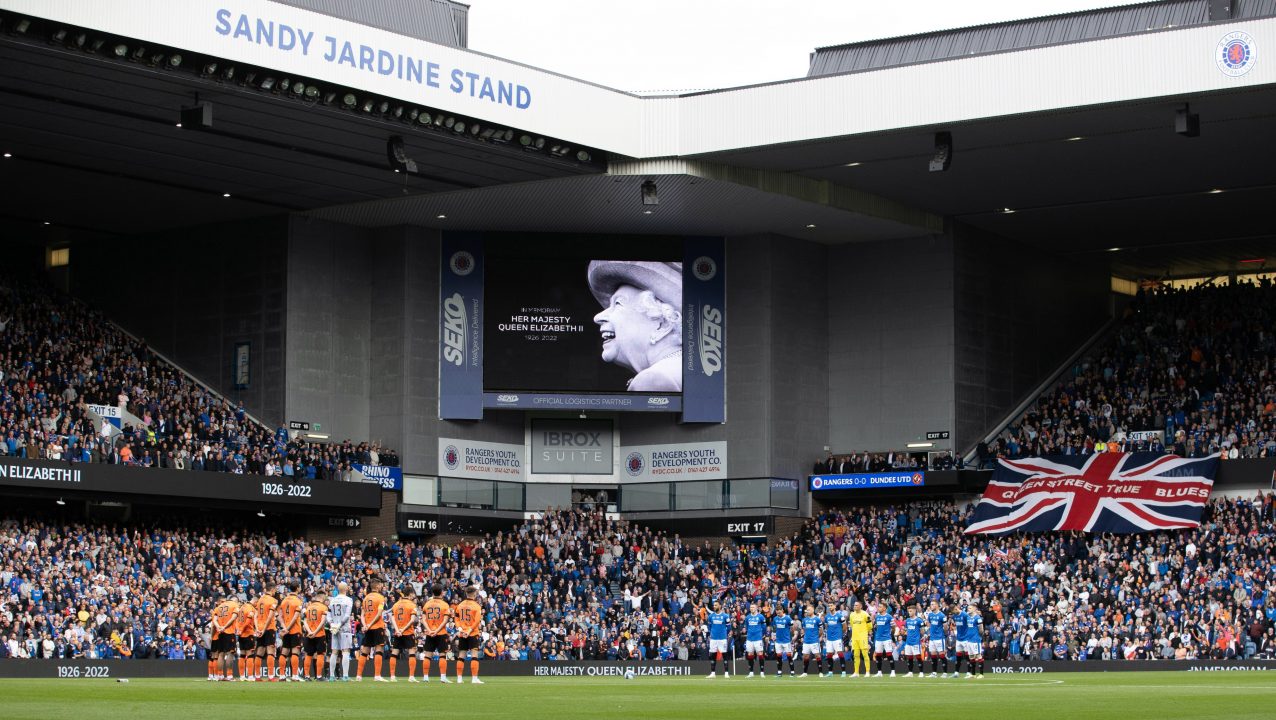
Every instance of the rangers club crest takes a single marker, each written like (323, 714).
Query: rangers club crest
(704, 268)
(1235, 54)
(451, 457)
(634, 464)
(817, 483)
(462, 263)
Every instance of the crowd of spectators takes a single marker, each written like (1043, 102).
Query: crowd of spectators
(1190, 371)
(58, 357)
(870, 462)
(577, 584)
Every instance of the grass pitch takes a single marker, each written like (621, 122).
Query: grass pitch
(1127, 696)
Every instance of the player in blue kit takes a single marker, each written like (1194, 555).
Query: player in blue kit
(782, 627)
(810, 640)
(936, 626)
(884, 638)
(913, 627)
(960, 622)
(719, 636)
(834, 631)
(754, 630)
(974, 642)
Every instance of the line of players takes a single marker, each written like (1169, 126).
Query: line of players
(924, 637)
(248, 637)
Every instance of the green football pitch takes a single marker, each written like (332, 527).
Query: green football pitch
(1126, 696)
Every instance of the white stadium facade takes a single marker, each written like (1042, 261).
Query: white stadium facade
(913, 240)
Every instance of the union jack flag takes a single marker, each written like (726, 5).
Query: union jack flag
(1104, 492)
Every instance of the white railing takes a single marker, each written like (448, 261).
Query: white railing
(190, 377)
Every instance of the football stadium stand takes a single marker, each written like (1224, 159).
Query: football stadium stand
(1189, 370)
(61, 359)
(577, 585)
(546, 294)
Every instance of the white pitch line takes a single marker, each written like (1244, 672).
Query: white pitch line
(782, 683)
(813, 683)
(1195, 687)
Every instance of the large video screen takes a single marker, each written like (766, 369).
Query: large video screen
(584, 315)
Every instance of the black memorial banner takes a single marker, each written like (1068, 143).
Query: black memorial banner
(121, 482)
(82, 669)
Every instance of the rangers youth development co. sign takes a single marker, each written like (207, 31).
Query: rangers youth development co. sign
(674, 461)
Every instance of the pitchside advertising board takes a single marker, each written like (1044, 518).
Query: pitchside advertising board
(119, 481)
(630, 324)
(71, 670)
(865, 481)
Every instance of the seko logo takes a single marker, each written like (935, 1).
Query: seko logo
(710, 340)
(454, 329)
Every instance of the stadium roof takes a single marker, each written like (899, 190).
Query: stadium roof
(1032, 33)
(437, 21)
(1076, 138)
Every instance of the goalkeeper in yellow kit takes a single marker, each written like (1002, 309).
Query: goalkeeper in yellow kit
(860, 623)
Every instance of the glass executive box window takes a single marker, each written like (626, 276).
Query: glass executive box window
(706, 495)
(644, 497)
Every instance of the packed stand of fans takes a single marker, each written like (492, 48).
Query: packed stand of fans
(577, 585)
(870, 462)
(57, 357)
(1188, 371)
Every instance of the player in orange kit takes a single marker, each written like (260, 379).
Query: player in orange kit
(266, 625)
(247, 641)
(469, 630)
(290, 625)
(403, 618)
(314, 628)
(372, 619)
(434, 615)
(223, 639)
